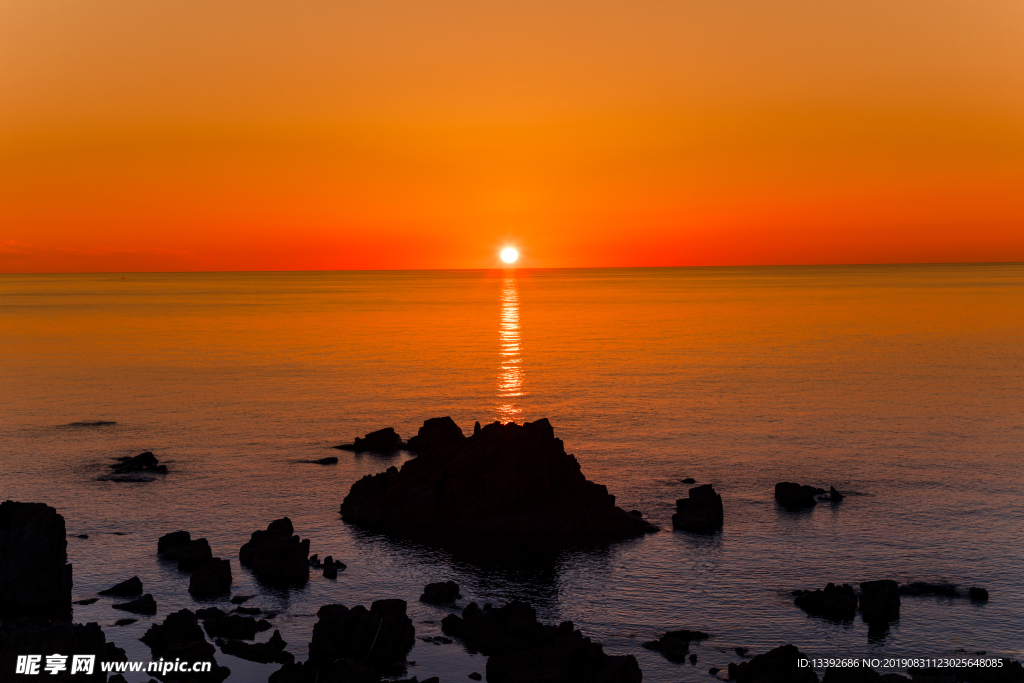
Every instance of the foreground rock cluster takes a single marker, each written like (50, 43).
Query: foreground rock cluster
(35, 576)
(505, 479)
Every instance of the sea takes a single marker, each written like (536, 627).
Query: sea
(900, 385)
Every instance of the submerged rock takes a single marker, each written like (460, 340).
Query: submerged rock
(265, 653)
(326, 461)
(144, 605)
(143, 462)
(275, 555)
(132, 586)
(701, 513)
(190, 554)
(794, 496)
(880, 601)
(211, 579)
(384, 440)
(775, 666)
(34, 573)
(440, 592)
(835, 602)
(948, 590)
(675, 645)
(179, 636)
(506, 479)
(978, 594)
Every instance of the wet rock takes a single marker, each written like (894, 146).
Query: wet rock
(332, 567)
(219, 624)
(383, 441)
(144, 605)
(265, 653)
(179, 636)
(39, 636)
(475, 676)
(143, 462)
(34, 573)
(190, 554)
(794, 496)
(251, 611)
(167, 542)
(239, 599)
(700, 513)
(948, 590)
(835, 602)
(834, 495)
(326, 461)
(776, 666)
(124, 622)
(880, 601)
(275, 555)
(132, 586)
(83, 536)
(440, 592)
(87, 601)
(521, 649)
(437, 433)
(693, 659)
(978, 594)
(508, 479)
(675, 645)
(376, 637)
(211, 579)
(689, 480)
(713, 670)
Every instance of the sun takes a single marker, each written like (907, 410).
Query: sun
(509, 255)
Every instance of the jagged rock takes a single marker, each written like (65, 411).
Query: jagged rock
(211, 579)
(700, 513)
(948, 590)
(794, 496)
(190, 554)
(219, 624)
(265, 653)
(775, 666)
(978, 594)
(167, 542)
(179, 636)
(384, 440)
(144, 605)
(521, 649)
(38, 636)
(437, 433)
(132, 586)
(275, 555)
(880, 601)
(331, 567)
(507, 479)
(675, 645)
(834, 495)
(376, 637)
(143, 462)
(835, 602)
(440, 592)
(34, 573)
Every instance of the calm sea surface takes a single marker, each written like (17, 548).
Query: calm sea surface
(903, 385)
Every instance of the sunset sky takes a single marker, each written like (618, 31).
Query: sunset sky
(196, 135)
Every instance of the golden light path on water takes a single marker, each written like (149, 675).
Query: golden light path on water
(510, 373)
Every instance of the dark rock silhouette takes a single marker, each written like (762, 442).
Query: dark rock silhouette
(700, 513)
(124, 622)
(275, 555)
(835, 602)
(34, 573)
(265, 653)
(179, 636)
(880, 601)
(92, 423)
(331, 567)
(520, 648)
(978, 594)
(326, 461)
(326, 671)
(239, 599)
(190, 554)
(794, 496)
(143, 462)
(689, 480)
(834, 495)
(775, 666)
(948, 590)
(384, 440)
(175, 539)
(440, 592)
(219, 624)
(211, 579)
(675, 645)
(87, 601)
(376, 637)
(37, 636)
(437, 433)
(132, 586)
(144, 605)
(507, 479)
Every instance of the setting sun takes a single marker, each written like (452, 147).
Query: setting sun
(509, 255)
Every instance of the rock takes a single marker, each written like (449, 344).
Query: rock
(437, 433)
(179, 636)
(143, 462)
(693, 659)
(522, 649)
(776, 666)
(87, 601)
(476, 427)
(83, 536)
(211, 579)
(838, 603)
(219, 624)
(326, 461)
(700, 513)
(440, 592)
(880, 601)
(124, 622)
(331, 567)
(508, 479)
(384, 441)
(265, 653)
(978, 594)
(144, 605)
(34, 573)
(948, 590)
(689, 480)
(190, 554)
(475, 676)
(794, 496)
(675, 645)
(330, 571)
(275, 555)
(713, 670)
(251, 611)
(325, 671)
(175, 539)
(239, 599)
(132, 586)
(834, 495)
(375, 637)
(40, 636)
(314, 560)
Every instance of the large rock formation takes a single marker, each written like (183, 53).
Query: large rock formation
(275, 555)
(436, 433)
(520, 648)
(44, 637)
(383, 441)
(700, 513)
(34, 573)
(179, 636)
(508, 479)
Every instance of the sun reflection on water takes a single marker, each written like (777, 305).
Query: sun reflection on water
(510, 373)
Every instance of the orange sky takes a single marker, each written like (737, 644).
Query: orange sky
(259, 135)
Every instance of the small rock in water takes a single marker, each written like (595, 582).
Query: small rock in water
(701, 512)
(326, 461)
(144, 605)
(476, 677)
(978, 594)
(794, 496)
(838, 603)
(82, 536)
(382, 441)
(741, 651)
(689, 480)
(143, 462)
(276, 555)
(693, 659)
(440, 592)
(924, 588)
(880, 601)
(87, 601)
(250, 611)
(713, 670)
(132, 586)
(124, 622)
(675, 645)
(239, 599)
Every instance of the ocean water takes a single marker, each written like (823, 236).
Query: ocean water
(901, 385)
